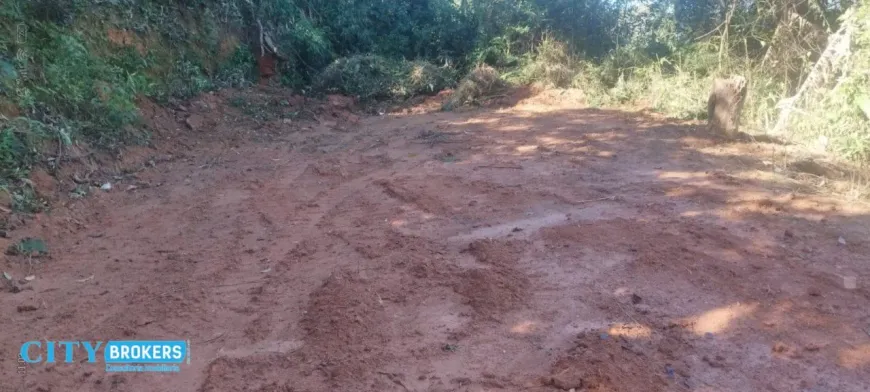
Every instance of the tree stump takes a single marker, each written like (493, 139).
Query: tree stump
(726, 104)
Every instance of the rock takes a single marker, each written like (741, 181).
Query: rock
(195, 122)
(107, 186)
(842, 241)
(635, 299)
(844, 278)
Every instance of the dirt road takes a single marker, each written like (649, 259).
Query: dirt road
(540, 247)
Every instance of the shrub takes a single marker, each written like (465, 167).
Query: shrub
(371, 77)
(366, 77)
(238, 70)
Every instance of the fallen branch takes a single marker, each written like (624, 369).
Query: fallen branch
(710, 32)
(213, 339)
(500, 167)
(394, 379)
(594, 200)
(85, 279)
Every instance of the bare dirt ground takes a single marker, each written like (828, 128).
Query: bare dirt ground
(539, 247)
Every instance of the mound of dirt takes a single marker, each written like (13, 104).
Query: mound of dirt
(602, 363)
(492, 292)
(496, 252)
(344, 327)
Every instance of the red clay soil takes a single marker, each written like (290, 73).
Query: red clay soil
(540, 247)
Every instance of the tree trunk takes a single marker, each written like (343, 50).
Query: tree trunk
(725, 105)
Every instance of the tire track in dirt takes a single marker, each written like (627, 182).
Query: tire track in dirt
(293, 276)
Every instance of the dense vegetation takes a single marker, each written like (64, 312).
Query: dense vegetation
(72, 70)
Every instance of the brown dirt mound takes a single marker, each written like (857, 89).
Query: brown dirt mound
(493, 252)
(603, 363)
(345, 325)
(245, 374)
(493, 292)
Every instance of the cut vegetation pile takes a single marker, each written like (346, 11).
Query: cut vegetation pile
(482, 82)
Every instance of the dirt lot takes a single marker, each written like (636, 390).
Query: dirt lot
(539, 247)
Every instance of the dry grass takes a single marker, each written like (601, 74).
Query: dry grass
(481, 82)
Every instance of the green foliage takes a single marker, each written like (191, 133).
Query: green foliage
(16, 153)
(411, 29)
(187, 80)
(841, 114)
(370, 77)
(366, 77)
(237, 71)
(60, 69)
(28, 247)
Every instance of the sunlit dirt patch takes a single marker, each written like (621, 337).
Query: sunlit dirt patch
(718, 320)
(856, 358)
(630, 330)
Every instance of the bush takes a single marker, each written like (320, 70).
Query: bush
(238, 70)
(370, 77)
(586, 79)
(367, 77)
(550, 64)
